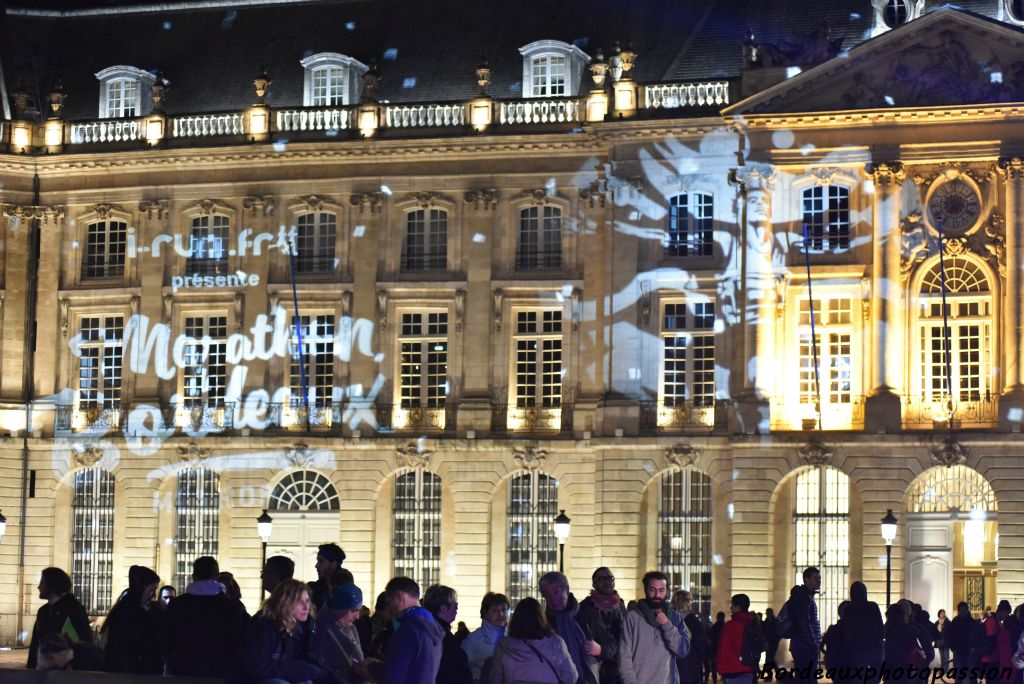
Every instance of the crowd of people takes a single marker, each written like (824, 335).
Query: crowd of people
(322, 633)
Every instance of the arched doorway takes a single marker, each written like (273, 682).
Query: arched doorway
(305, 506)
(951, 538)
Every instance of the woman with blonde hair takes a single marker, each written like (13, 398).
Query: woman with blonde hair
(276, 649)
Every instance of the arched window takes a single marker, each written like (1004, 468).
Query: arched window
(426, 240)
(315, 235)
(304, 490)
(417, 532)
(532, 548)
(956, 488)
(969, 335)
(896, 12)
(92, 539)
(1016, 9)
(197, 527)
(821, 524)
(826, 217)
(540, 238)
(684, 534)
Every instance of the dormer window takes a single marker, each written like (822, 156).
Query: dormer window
(890, 14)
(552, 68)
(331, 80)
(896, 13)
(1015, 10)
(124, 92)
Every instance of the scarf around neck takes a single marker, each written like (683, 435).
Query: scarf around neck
(606, 603)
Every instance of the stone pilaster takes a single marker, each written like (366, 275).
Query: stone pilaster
(1011, 404)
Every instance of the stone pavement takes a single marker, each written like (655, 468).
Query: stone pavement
(11, 658)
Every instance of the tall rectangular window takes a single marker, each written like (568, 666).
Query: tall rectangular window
(423, 360)
(690, 229)
(205, 374)
(532, 547)
(684, 533)
(315, 236)
(416, 542)
(540, 238)
(99, 370)
(538, 348)
(549, 75)
(92, 539)
(328, 86)
(318, 357)
(821, 526)
(208, 246)
(833, 323)
(688, 354)
(197, 528)
(826, 216)
(426, 240)
(104, 249)
(122, 98)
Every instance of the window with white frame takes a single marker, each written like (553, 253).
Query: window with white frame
(821, 527)
(122, 98)
(833, 327)
(205, 374)
(208, 245)
(826, 218)
(197, 523)
(540, 238)
(688, 354)
(331, 80)
(304, 490)
(549, 76)
(690, 228)
(426, 240)
(328, 86)
(416, 542)
(896, 12)
(532, 546)
(552, 68)
(315, 236)
(105, 243)
(92, 539)
(100, 363)
(124, 92)
(315, 364)
(969, 335)
(538, 349)
(423, 359)
(684, 533)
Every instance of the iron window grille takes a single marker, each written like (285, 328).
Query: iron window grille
(416, 542)
(197, 530)
(92, 539)
(821, 525)
(684, 534)
(532, 546)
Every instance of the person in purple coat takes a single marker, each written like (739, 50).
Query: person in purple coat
(413, 653)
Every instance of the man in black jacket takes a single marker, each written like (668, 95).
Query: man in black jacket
(62, 614)
(805, 639)
(443, 604)
(330, 574)
(700, 644)
(582, 628)
(962, 636)
(605, 600)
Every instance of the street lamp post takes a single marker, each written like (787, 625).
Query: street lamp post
(264, 525)
(889, 524)
(562, 534)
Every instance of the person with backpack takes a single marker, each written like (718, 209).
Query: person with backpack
(741, 644)
(798, 621)
(651, 639)
(690, 665)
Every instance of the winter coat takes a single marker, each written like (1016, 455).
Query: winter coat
(454, 668)
(268, 653)
(413, 653)
(481, 645)
(648, 650)
(592, 626)
(958, 634)
(864, 634)
(689, 666)
(201, 634)
(613, 619)
(336, 649)
(730, 646)
(133, 636)
(899, 638)
(834, 643)
(51, 618)
(803, 611)
(996, 640)
(320, 590)
(532, 661)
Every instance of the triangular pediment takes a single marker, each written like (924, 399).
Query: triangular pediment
(946, 58)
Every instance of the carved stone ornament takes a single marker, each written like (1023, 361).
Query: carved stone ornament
(485, 198)
(263, 204)
(499, 301)
(682, 455)
(23, 212)
(104, 210)
(538, 195)
(208, 206)
(950, 452)
(367, 200)
(300, 455)
(576, 312)
(460, 309)
(315, 202)
(151, 207)
(815, 452)
(886, 173)
(168, 306)
(413, 455)
(88, 456)
(595, 192)
(781, 285)
(529, 456)
(954, 246)
(427, 199)
(346, 303)
(755, 177)
(65, 314)
(995, 243)
(382, 309)
(825, 175)
(645, 302)
(914, 243)
(192, 452)
(1011, 167)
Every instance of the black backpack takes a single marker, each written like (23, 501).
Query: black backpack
(753, 643)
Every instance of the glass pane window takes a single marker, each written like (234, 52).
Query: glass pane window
(197, 524)
(99, 371)
(538, 349)
(688, 354)
(423, 359)
(105, 243)
(122, 98)
(540, 238)
(833, 344)
(532, 546)
(549, 76)
(426, 240)
(826, 216)
(205, 373)
(416, 542)
(690, 229)
(305, 490)
(821, 524)
(896, 12)
(328, 86)
(684, 534)
(315, 236)
(92, 539)
(208, 246)
(316, 360)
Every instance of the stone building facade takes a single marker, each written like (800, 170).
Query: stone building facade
(597, 294)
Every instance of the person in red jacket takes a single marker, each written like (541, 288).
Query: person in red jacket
(730, 644)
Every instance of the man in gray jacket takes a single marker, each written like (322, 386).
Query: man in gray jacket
(653, 636)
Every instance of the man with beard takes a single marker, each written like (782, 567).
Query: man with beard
(581, 628)
(651, 637)
(605, 600)
(330, 574)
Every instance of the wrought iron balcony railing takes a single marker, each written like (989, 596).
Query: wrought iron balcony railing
(308, 264)
(535, 259)
(425, 261)
(971, 410)
(680, 415)
(206, 266)
(507, 418)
